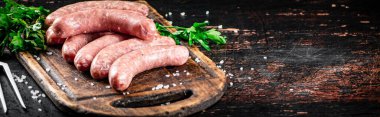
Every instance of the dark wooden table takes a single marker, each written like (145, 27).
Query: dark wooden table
(283, 58)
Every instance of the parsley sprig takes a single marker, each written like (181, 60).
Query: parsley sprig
(21, 27)
(194, 34)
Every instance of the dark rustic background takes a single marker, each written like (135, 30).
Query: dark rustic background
(283, 58)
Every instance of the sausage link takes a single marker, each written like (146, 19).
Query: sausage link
(81, 6)
(100, 20)
(127, 66)
(74, 43)
(104, 59)
(85, 55)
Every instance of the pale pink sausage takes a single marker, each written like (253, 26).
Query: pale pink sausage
(100, 20)
(85, 55)
(86, 5)
(127, 66)
(74, 43)
(104, 59)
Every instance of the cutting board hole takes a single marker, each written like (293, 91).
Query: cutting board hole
(152, 100)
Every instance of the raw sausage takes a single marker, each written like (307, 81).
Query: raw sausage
(99, 20)
(104, 59)
(74, 43)
(80, 6)
(127, 66)
(85, 55)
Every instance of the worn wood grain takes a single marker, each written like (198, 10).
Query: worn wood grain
(72, 90)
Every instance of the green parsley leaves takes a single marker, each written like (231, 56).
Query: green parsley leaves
(194, 34)
(21, 27)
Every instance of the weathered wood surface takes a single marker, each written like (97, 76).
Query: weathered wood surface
(247, 48)
(72, 90)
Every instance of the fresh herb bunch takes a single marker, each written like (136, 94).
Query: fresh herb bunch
(194, 34)
(21, 27)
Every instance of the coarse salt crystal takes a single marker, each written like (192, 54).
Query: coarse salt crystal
(207, 12)
(43, 95)
(38, 58)
(184, 71)
(166, 15)
(39, 109)
(197, 60)
(241, 68)
(124, 93)
(167, 75)
(127, 92)
(169, 13)
(108, 87)
(180, 83)
(153, 88)
(34, 97)
(39, 101)
(23, 77)
(265, 57)
(170, 22)
(220, 26)
(159, 86)
(187, 73)
(183, 13)
(30, 87)
(26, 82)
(47, 69)
(92, 84)
(206, 21)
(218, 66)
(49, 53)
(76, 78)
(221, 61)
(231, 84)
(94, 98)
(177, 71)
(333, 5)
(59, 84)
(174, 84)
(166, 86)
(252, 68)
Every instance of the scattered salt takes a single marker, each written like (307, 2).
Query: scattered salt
(39, 101)
(174, 84)
(30, 87)
(291, 90)
(206, 21)
(94, 98)
(231, 84)
(221, 61)
(180, 83)
(252, 68)
(92, 84)
(38, 58)
(75, 78)
(59, 84)
(187, 73)
(166, 86)
(43, 95)
(265, 57)
(333, 5)
(127, 92)
(124, 93)
(184, 71)
(108, 87)
(241, 68)
(167, 75)
(39, 109)
(169, 13)
(177, 71)
(207, 12)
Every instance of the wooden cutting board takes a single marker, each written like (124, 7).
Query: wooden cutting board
(199, 85)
